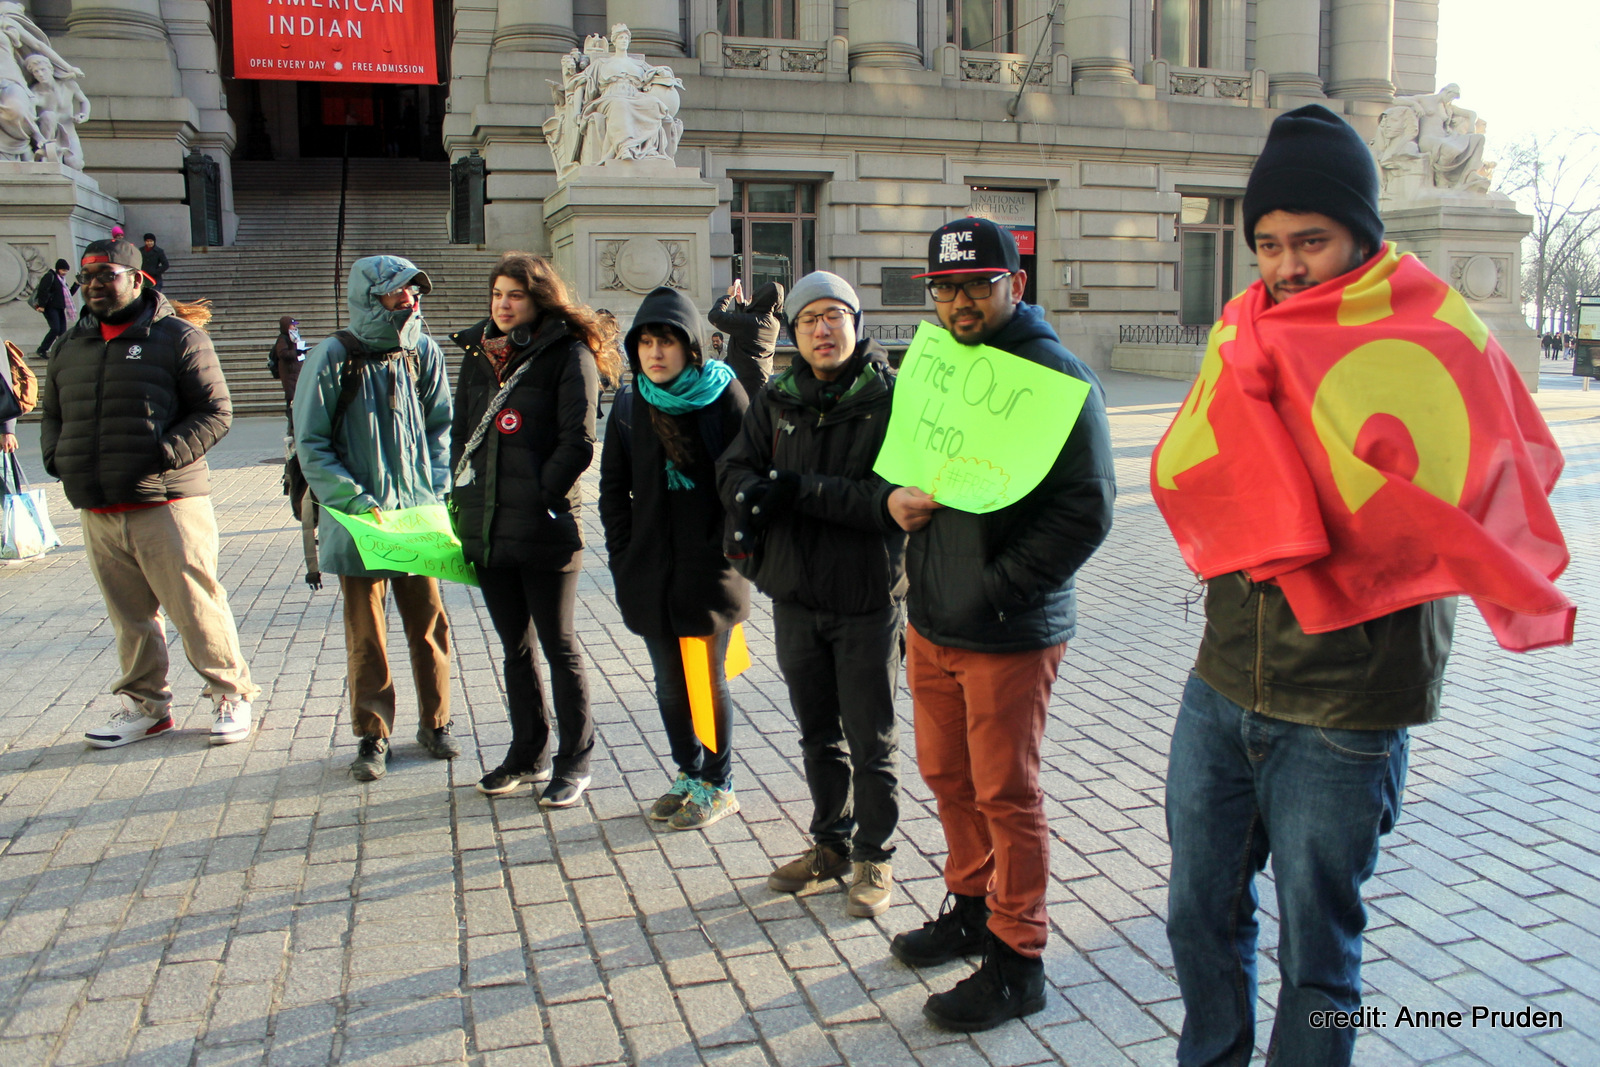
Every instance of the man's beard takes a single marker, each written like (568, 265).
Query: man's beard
(1282, 292)
(116, 316)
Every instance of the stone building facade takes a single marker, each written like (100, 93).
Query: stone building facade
(836, 133)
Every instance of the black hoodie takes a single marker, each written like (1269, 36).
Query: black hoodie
(752, 331)
(666, 546)
(1003, 582)
(837, 549)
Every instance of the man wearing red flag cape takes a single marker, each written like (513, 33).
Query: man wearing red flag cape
(1356, 452)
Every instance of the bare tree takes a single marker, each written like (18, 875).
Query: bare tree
(1556, 176)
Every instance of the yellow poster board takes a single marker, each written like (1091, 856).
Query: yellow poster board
(696, 653)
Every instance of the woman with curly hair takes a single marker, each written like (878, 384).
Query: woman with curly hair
(523, 435)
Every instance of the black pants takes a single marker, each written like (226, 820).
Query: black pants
(515, 598)
(712, 766)
(842, 671)
(57, 319)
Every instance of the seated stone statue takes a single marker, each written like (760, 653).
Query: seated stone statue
(1447, 136)
(62, 106)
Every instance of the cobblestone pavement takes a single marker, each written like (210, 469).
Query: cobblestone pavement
(172, 903)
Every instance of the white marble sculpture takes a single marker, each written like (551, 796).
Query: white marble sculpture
(612, 107)
(1429, 142)
(41, 104)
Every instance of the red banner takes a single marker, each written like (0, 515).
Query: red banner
(335, 40)
(1368, 446)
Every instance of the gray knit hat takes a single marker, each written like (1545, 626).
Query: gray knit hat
(815, 286)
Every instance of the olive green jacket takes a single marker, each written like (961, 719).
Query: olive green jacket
(1377, 675)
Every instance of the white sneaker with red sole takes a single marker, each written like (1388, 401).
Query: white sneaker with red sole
(132, 723)
(233, 721)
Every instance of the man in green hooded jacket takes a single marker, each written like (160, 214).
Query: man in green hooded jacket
(372, 429)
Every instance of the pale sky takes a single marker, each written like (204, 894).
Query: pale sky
(1526, 66)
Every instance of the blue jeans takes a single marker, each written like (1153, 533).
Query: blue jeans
(1241, 787)
(672, 695)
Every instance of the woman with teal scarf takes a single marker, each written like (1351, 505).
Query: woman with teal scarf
(665, 528)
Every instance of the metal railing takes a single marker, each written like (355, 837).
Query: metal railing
(1166, 334)
(892, 332)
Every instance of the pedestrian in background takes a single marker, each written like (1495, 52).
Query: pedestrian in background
(133, 399)
(372, 430)
(665, 527)
(155, 260)
(752, 331)
(523, 436)
(799, 482)
(288, 356)
(53, 299)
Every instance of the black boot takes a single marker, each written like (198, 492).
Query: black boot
(958, 930)
(1009, 985)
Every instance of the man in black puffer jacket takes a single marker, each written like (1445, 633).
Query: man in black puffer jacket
(992, 607)
(133, 399)
(799, 481)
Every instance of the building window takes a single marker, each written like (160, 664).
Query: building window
(980, 25)
(774, 232)
(1181, 30)
(756, 18)
(1205, 272)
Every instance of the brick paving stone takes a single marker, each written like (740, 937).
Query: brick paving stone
(258, 906)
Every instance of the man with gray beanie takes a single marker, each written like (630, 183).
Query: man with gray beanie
(813, 522)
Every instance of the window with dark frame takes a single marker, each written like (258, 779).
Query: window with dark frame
(774, 231)
(757, 18)
(1206, 234)
(1180, 32)
(981, 25)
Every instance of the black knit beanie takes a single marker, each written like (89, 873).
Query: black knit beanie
(1314, 161)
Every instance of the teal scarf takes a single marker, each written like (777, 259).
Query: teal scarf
(690, 391)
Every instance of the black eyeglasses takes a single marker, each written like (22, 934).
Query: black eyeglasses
(107, 276)
(976, 289)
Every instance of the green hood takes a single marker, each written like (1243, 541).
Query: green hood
(370, 278)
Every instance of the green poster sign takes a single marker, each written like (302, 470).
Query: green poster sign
(412, 540)
(975, 427)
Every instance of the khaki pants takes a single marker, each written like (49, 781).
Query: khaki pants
(165, 559)
(980, 720)
(365, 636)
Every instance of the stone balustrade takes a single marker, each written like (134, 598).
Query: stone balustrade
(760, 57)
(1236, 87)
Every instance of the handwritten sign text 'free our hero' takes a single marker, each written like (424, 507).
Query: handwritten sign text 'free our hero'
(410, 540)
(976, 427)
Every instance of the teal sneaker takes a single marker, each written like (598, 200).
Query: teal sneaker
(704, 805)
(666, 807)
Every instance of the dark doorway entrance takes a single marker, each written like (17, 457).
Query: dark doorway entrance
(310, 120)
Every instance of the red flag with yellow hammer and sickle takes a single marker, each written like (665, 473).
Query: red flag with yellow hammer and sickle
(1368, 446)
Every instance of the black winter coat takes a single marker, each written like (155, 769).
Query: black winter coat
(752, 331)
(666, 546)
(52, 291)
(837, 549)
(129, 421)
(1003, 582)
(521, 507)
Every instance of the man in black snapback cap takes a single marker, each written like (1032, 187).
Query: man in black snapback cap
(991, 608)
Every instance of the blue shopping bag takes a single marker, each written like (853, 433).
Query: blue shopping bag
(25, 527)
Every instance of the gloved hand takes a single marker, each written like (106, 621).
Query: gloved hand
(750, 515)
(785, 489)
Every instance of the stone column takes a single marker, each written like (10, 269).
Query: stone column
(121, 20)
(883, 33)
(814, 20)
(654, 25)
(1360, 53)
(1098, 34)
(534, 26)
(1287, 44)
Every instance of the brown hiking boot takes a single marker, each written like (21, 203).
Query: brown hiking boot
(816, 865)
(870, 889)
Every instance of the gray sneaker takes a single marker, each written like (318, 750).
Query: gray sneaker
(372, 759)
(438, 742)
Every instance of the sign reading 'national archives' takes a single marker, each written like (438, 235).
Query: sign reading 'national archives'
(334, 40)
